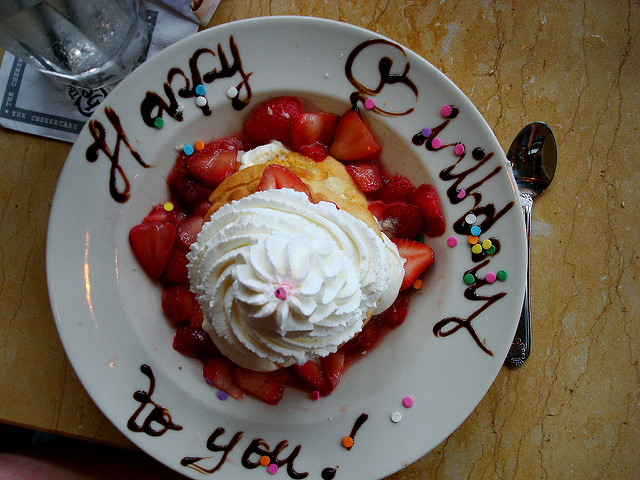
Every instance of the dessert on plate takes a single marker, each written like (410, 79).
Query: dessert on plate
(286, 251)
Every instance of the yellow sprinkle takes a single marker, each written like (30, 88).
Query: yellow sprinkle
(347, 442)
(472, 239)
(265, 461)
(417, 284)
(486, 244)
(477, 248)
(199, 145)
(168, 206)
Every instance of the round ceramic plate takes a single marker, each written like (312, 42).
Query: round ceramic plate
(107, 310)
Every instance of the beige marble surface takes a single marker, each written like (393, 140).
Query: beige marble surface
(573, 410)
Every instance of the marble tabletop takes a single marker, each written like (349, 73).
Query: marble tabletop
(572, 410)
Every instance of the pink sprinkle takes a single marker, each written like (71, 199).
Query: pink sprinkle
(282, 292)
(436, 143)
(490, 277)
(407, 402)
(459, 149)
(446, 110)
(452, 241)
(272, 468)
(315, 395)
(462, 193)
(369, 103)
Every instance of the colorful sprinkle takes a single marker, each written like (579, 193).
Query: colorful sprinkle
(452, 241)
(265, 460)
(470, 218)
(315, 395)
(491, 250)
(369, 103)
(420, 238)
(272, 469)
(436, 143)
(396, 417)
(187, 149)
(232, 92)
(472, 239)
(469, 278)
(407, 402)
(158, 122)
(426, 131)
(477, 248)
(168, 206)
(461, 193)
(459, 149)
(201, 101)
(446, 110)
(347, 442)
(200, 90)
(476, 230)
(417, 284)
(486, 244)
(199, 145)
(223, 395)
(490, 277)
(501, 275)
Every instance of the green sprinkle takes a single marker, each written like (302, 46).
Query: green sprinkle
(501, 275)
(491, 250)
(469, 278)
(420, 238)
(158, 122)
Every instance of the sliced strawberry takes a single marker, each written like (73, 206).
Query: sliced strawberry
(211, 168)
(366, 175)
(419, 257)
(161, 215)
(176, 268)
(267, 386)
(309, 129)
(426, 198)
(277, 176)
(312, 376)
(364, 342)
(353, 139)
(180, 305)
(377, 209)
(187, 231)
(186, 189)
(315, 152)
(152, 243)
(333, 367)
(193, 342)
(401, 220)
(218, 371)
(201, 209)
(393, 316)
(272, 120)
(398, 188)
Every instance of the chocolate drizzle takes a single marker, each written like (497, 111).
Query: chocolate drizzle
(195, 462)
(259, 447)
(356, 426)
(328, 473)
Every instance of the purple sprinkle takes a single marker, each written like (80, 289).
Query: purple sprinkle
(426, 131)
(222, 395)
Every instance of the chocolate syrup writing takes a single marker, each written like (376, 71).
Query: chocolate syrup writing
(387, 77)
(157, 416)
(449, 326)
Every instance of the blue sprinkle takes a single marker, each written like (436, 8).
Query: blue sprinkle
(222, 395)
(187, 149)
(475, 230)
(200, 90)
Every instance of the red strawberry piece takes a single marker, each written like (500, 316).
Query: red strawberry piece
(419, 257)
(176, 268)
(366, 175)
(152, 243)
(201, 209)
(377, 209)
(161, 215)
(210, 167)
(312, 376)
(396, 189)
(426, 198)
(353, 139)
(272, 120)
(186, 189)
(402, 220)
(333, 367)
(187, 231)
(267, 386)
(393, 316)
(193, 342)
(218, 371)
(277, 176)
(180, 305)
(310, 129)
(315, 152)
(368, 338)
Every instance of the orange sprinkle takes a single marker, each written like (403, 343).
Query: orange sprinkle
(347, 442)
(199, 145)
(265, 461)
(472, 239)
(417, 284)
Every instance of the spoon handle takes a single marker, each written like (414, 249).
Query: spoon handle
(521, 346)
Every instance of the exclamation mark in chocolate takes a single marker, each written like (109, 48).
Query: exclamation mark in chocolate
(348, 441)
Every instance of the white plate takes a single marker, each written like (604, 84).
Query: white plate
(108, 311)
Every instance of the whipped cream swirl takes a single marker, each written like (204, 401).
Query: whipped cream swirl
(282, 280)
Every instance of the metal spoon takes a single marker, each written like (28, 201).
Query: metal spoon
(533, 157)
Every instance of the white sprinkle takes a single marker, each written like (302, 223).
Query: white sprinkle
(396, 417)
(201, 101)
(470, 218)
(232, 92)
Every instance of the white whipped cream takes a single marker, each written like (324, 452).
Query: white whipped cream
(282, 280)
(261, 154)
